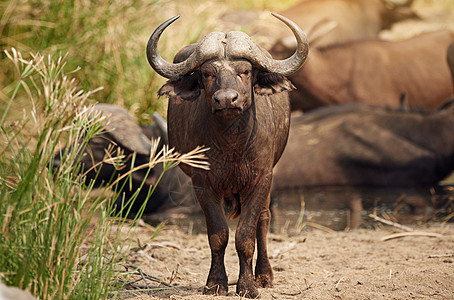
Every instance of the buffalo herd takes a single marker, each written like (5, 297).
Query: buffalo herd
(352, 110)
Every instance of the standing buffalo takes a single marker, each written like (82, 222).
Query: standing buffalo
(376, 72)
(122, 135)
(355, 19)
(230, 95)
(365, 146)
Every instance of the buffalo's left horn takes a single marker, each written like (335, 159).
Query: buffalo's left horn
(242, 46)
(294, 62)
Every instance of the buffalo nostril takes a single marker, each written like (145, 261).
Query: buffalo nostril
(225, 97)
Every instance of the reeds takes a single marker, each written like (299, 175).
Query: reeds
(55, 240)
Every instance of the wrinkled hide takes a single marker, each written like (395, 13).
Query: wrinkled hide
(359, 145)
(376, 72)
(235, 102)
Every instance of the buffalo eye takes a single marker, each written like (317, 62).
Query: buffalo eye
(244, 73)
(208, 75)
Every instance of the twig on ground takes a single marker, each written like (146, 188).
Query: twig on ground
(318, 226)
(143, 277)
(300, 291)
(387, 222)
(281, 251)
(337, 284)
(441, 255)
(414, 233)
(173, 276)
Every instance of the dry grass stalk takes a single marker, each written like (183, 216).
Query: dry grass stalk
(413, 233)
(387, 222)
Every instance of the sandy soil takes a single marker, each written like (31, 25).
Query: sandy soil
(312, 265)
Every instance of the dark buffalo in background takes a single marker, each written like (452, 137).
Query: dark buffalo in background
(122, 134)
(376, 72)
(352, 155)
(228, 94)
(360, 145)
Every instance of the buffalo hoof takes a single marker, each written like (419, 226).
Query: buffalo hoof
(246, 288)
(263, 280)
(215, 289)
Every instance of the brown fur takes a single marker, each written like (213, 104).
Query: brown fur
(356, 19)
(360, 145)
(376, 72)
(242, 115)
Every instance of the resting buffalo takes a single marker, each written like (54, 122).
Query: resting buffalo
(360, 145)
(230, 95)
(376, 72)
(355, 19)
(124, 135)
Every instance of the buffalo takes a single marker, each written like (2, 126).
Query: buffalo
(123, 135)
(376, 72)
(355, 19)
(228, 94)
(364, 146)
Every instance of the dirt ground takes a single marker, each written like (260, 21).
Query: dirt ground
(314, 264)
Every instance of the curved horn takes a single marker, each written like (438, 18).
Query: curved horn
(160, 65)
(296, 61)
(207, 48)
(242, 45)
(212, 46)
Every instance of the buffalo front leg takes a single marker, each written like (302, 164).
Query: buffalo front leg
(218, 236)
(245, 241)
(263, 271)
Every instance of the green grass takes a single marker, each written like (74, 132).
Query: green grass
(55, 240)
(44, 215)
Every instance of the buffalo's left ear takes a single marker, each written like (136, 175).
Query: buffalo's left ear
(271, 83)
(185, 88)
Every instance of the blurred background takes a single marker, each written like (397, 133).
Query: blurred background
(106, 39)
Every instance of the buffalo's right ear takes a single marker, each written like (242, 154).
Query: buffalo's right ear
(185, 88)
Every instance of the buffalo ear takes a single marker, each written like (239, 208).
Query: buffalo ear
(185, 88)
(271, 83)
